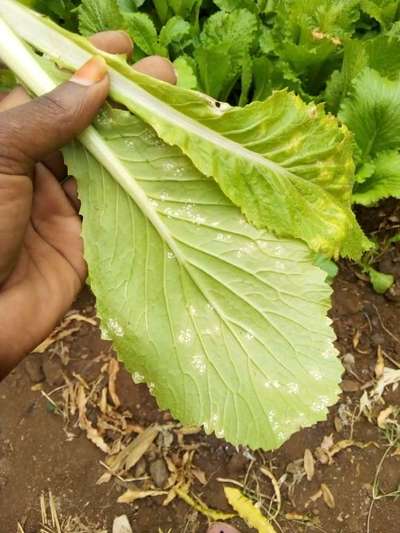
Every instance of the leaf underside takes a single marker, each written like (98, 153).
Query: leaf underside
(226, 323)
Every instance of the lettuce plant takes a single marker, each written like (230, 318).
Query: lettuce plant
(223, 319)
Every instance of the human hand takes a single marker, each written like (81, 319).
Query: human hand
(42, 268)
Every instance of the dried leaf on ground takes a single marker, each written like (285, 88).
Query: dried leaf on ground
(84, 423)
(384, 415)
(128, 457)
(389, 377)
(276, 487)
(316, 496)
(131, 495)
(62, 331)
(328, 496)
(248, 511)
(201, 507)
(113, 369)
(309, 464)
(328, 449)
(121, 525)
(380, 364)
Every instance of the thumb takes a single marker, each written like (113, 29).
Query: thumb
(31, 131)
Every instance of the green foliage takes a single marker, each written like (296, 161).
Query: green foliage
(372, 112)
(62, 11)
(381, 180)
(233, 345)
(7, 80)
(97, 16)
(380, 282)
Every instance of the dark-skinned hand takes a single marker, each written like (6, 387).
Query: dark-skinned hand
(42, 268)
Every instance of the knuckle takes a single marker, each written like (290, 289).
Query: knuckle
(13, 160)
(61, 111)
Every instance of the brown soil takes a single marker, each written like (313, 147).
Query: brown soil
(40, 452)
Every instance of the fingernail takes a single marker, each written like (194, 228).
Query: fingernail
(127, 36)
(92, 72)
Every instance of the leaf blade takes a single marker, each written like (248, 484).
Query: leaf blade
(208, 336)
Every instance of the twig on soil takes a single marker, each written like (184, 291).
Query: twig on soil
(385, 329)
(392, 434)
(277, 491)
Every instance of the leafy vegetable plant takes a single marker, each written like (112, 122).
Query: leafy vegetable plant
(212, 215)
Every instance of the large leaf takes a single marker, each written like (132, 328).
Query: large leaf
(97, 16)
(372, 112)
(287, 165)
(383, 182)
(226, 322)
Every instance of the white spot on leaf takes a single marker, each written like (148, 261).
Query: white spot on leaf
(199, 363)
(185, 336)
(293, 388)
(115, 327)
(137, 377)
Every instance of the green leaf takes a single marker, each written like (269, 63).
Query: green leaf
(183, 8)
(95, 16)
(372, 113)
(144, 33)
(354, 61)
(185, 68)
(383, 54)
(309, 34)
(225, 43)
(383, 11)
(216, 71)
(231, 5)
(286, 164)
(225, 322)
(327, 265)
(380, 53)
(246, 80)
(130, 5)
(383, 181)
(174, 31)
(7, 80)
(380, 282)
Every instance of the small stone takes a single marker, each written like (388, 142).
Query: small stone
(349, 359)
(53, 372)
(377, 339)
(140, 468)
(348, 385)
(33, 367)
(393, 294)
(159, 473)
(238, 464)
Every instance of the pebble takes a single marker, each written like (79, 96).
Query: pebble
(140, 468)
(33, 367)
(349, 385)
(377, 339)
(53, 372)
(393, 294)
(159, 473)
(238, 464)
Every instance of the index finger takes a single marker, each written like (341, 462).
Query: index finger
(113, 42)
